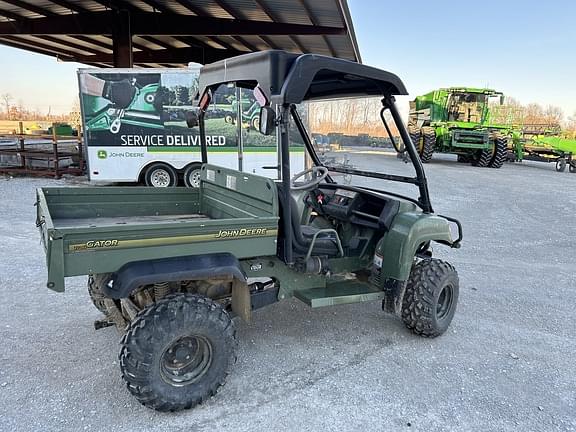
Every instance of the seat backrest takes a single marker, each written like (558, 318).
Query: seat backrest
(227, 193)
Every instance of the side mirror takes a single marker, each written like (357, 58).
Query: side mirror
(267, 121)
(501, 99)
(191, 119)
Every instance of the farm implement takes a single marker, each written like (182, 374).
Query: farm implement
(544, 143)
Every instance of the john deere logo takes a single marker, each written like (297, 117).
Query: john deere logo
(102, 154)
(244, 232)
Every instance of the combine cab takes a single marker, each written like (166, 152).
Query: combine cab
(457, 120)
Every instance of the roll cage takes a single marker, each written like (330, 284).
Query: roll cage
(283, 80)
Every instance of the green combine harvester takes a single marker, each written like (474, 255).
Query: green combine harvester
(457, 120)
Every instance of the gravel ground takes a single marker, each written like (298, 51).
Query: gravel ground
(506, 363)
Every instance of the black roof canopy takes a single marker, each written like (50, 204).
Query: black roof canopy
(174, 32)
(292, 78)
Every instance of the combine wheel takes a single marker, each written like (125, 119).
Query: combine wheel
(428, 143)
(431, 297)
(561, 165)
(482, 158)
(499, 153)
(177, 352)
(414, 134)
(464, 158)
(572, 167)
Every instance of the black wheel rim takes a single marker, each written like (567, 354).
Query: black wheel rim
(186, 360)
(444, 304)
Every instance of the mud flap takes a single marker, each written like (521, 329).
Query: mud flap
(241, 302)
(395, 291)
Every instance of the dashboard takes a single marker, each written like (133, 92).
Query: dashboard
(356, 207)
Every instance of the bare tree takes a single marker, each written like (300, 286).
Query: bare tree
(533, 113)
(75, 105)
(570, 124)
(348, 116)
(7, 100)
(553, 114)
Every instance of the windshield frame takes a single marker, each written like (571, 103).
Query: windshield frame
(423, 201)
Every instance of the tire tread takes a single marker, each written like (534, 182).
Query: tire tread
(428, 143)
(500, 152)
(419, 303)
(150, 327)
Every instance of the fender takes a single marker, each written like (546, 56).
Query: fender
(135, 274)
(408, 231)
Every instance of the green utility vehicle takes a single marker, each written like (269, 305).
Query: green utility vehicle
(457, 120)
(250, 112)
(172, 267)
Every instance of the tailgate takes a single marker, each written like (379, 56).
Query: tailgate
(52, 242)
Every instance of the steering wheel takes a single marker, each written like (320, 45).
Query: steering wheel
(319, 173)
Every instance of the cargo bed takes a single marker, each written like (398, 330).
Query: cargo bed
(126, 220)
(93, 230)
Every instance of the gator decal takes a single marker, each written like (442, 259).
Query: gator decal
(162, 241)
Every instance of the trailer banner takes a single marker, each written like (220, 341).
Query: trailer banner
(148, 109)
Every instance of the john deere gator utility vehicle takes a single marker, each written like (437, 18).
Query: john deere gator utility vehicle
(457, 120)
(171, 268)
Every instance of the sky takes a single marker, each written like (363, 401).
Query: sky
(525, 49)
(38, 81)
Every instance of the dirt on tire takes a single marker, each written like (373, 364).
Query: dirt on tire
(95, 292)
(155, 328)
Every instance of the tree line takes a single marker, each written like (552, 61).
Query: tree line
(512, 112)
(362, 116)
(349, 116)
(17, 111)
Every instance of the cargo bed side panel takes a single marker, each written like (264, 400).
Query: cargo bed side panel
(104, 250)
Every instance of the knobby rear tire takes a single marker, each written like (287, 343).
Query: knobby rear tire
(162, 325)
